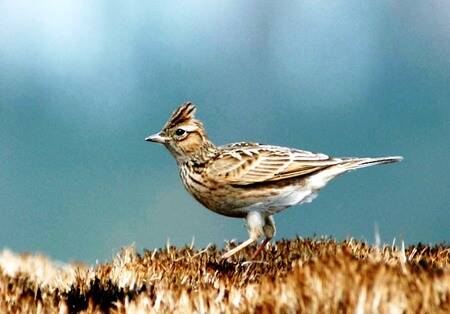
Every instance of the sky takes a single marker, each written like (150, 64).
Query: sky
(83, 83)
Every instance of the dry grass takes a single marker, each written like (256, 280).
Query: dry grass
(308, 276)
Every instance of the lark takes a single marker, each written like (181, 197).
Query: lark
(249, 180)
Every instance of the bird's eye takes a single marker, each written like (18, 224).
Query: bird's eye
(179, 132)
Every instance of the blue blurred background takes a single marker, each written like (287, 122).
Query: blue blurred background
(82, 84)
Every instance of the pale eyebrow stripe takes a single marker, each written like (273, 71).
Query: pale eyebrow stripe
(189, 128)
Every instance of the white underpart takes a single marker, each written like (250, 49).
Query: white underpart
(293, 195)
(319, 180)
(255, 224)
(289, 196)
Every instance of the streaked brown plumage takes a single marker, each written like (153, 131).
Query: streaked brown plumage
(248, 180)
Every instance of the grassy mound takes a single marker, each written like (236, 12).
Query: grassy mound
(308, 276)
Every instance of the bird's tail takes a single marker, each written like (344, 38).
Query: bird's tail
(356, 163)
(347, 164)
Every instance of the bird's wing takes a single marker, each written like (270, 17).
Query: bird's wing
(247, 163)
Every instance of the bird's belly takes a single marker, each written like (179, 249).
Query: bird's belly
(239, 201)
(281, 199)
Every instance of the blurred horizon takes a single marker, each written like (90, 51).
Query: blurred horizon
(82, 84)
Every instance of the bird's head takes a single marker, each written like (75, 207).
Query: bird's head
(183, 135)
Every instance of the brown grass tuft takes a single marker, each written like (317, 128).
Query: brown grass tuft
(310, 276)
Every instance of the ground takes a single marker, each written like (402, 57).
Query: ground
(299, 275)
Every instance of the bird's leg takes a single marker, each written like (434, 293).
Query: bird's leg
(269, 231)
(239, 247)
(255, 223)
(260, 248)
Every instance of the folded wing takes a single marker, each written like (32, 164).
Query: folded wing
(248, 163)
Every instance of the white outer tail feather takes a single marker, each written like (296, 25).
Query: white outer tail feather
(320, 179)
(367, 162)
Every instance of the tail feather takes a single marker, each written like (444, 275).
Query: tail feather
(321, 178)
(356, 163)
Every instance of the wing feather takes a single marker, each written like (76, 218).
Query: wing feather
(248, 163)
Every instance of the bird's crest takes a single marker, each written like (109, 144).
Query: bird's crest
(184, 113)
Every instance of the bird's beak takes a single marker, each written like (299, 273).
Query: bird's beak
(157, 138)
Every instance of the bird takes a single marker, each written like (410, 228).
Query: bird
(249, 180)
